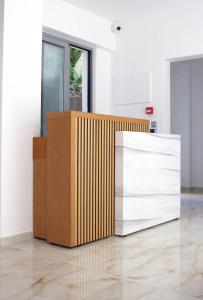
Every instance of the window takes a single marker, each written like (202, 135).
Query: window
(66, 70)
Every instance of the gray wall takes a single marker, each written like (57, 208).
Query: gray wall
(196, 73)
(186, 117)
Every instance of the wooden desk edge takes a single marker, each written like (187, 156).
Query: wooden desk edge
(39, 148)
(76, 114)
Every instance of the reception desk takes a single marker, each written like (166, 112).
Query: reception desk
(147, 180)
(74, 176)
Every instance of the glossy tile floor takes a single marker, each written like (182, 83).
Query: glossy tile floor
(165, 262)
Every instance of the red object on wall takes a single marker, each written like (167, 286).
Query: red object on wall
(149, 110)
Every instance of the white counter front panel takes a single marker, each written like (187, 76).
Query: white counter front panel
(147, 181)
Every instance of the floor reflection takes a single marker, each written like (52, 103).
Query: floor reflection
(162, 262)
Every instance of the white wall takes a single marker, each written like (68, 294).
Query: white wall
(103, 81)
(64, 17)
(172, 29)
(1, 73)
(186, 117)
(20, 118)
(1, 50)
(78, 25)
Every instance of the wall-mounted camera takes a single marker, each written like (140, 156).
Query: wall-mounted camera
(116, 27)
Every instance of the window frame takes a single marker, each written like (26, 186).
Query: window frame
(67, 44)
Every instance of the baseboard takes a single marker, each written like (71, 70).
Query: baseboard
(197, 190)
(185, 189)
(10, 240)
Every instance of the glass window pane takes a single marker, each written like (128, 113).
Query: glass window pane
(78, 95)
(52, 81)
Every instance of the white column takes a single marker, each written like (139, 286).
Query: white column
(20, 115)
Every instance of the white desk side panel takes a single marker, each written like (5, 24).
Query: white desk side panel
(147, 181)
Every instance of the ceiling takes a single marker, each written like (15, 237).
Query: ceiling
(120, 10)
(113, 10)
(109, 9)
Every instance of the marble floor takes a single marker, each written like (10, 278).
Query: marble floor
(164, 262)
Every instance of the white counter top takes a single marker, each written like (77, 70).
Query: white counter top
(147, 181)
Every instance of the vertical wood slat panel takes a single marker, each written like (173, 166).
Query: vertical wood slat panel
(79, 182)
(96, 175)
(102, 180)
(82, 182)
(90, 157)
(110, 176)
(107, 179)
(74, 192)
(112, 170)
(93, 180)
(88, 182)
(97, 179)
(85, 183)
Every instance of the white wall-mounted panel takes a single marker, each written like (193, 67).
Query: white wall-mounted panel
(132, 89)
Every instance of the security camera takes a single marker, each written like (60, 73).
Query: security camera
(116, 27)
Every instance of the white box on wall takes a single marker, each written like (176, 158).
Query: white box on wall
(133, 89)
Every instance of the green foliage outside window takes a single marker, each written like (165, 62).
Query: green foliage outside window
(75, 73)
